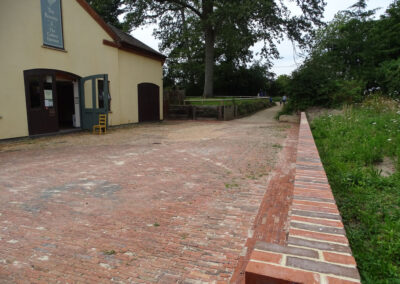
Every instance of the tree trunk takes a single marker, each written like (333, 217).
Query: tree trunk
(209, 63)
(209, 37)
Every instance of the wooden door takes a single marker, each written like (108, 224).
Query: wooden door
(149, 102)
(41, 102)
(90, 102)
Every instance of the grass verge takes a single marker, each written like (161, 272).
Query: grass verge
(350, 146)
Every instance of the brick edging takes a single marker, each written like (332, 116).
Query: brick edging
(317, 250)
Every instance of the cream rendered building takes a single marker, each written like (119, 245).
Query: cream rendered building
(58, 61)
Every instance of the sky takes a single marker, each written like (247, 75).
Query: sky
(288, 62)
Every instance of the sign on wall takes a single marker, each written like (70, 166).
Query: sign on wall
(52, 23)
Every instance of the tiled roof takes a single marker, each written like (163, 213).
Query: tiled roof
(129, 41)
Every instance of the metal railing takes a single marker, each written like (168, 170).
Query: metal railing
(222, 101)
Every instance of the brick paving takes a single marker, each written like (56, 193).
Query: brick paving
(271, 222)
(173, 202)
(317, 249)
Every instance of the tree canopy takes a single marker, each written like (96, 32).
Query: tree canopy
(199, 33)
(109, 10)
(351, 56)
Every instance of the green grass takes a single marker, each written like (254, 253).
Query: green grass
(350, 145)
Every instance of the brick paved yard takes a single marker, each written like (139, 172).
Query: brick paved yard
(170, 202)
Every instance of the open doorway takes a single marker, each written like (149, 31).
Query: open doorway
(65, 104)
(52, 101)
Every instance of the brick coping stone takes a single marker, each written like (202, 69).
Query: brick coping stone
(317, 250)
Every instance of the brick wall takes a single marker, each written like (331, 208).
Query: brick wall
(317, 250)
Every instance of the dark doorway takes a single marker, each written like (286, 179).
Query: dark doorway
(65, 104)
(149, 102)
(49, 100)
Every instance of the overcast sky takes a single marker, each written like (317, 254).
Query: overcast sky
(287, 63)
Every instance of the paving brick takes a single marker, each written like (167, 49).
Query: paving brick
(316, 214)
(266, 256)
(318, 236)
(322, 267)
(339, 258)
(315, 224)
(324, 222)
(315, 208)
(318, 245)
(333, 280)
(270, 225)
(319, 204)
(286, 250)
(279, 272)
(151, 203)
(298, 197)
(317, 228)
(313, 193)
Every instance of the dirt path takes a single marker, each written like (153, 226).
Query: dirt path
(171, 202)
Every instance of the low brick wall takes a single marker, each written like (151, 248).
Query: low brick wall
(317, 250)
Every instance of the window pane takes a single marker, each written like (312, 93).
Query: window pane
(100, 89)
(34, 93)
(88, 94)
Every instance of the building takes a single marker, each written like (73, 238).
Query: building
(61, 65)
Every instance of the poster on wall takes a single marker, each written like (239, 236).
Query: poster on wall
(48, 94)
(48, 103)
(52, 23)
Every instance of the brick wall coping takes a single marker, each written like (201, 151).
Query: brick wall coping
(317, 249)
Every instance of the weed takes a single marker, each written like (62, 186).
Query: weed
(350, 145)
(278, 146)
(109, 252)
(156, 224)
(231, 185)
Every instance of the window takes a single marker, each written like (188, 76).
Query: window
(34, 93)
(100, 90)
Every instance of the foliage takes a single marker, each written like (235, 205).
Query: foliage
(279, 87)
(246, 107)
(197, 34)
(109, 10)
(352, 55)
(389, 77)
(350, 145)
(242, 81)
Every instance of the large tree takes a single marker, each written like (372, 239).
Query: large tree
(223, 30)
(109, 10)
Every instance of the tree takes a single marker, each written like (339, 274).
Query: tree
(109, 10)
(353, 54)
(222, 30)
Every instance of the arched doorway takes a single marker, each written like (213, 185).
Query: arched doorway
(149, 102)
(52, 100)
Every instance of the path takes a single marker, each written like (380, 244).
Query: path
(171, 202)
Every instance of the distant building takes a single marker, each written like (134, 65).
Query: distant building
(61, 65)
